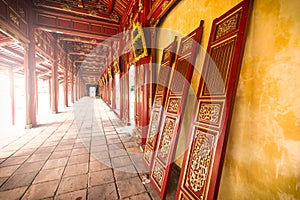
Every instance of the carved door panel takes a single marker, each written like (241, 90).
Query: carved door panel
(202, 165)
(174, 107)
(159, 100)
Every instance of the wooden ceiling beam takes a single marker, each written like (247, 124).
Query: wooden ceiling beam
(110, 6)
(76, 26)
(13, 52)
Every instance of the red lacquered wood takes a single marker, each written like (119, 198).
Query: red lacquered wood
(203, 160)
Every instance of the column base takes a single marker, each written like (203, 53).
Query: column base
(28, 126)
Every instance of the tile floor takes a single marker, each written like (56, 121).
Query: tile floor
(84, 152)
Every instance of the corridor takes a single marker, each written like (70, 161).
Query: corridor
(83, 152)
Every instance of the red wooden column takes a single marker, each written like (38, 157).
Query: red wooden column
(49, 87)
(72, 86)
(113, 104)
(54, 88)
(30, 74)
(12, 95)
(29, 71)
(79, 88)
(66, 87)
(37, 93)
(76, 89)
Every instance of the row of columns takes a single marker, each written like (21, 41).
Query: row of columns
(31, 87)
(31, 80)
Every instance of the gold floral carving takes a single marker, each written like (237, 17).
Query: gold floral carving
(158, 175)
(147, 155)
(164, 5)
(154, 22)
(116, 66)
(173, 105)
(227, 26)
(114, 17)
(165, 144)
(153, 129)
(66, 7)
(209, 112)
(157, 102)
(92, 12)
(199, 165)
(14, 19)
(109, 73)
(22, 12)
(167, 55)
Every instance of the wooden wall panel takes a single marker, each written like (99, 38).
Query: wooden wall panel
(14, 19)
(174, 105)
(202, 163)
(159, 100)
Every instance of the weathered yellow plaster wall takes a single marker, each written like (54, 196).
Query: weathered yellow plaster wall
(263, 152)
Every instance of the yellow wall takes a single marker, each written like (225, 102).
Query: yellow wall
(263, 152)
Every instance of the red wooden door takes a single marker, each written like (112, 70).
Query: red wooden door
(174, 107)
(202, 163)
(159, 100)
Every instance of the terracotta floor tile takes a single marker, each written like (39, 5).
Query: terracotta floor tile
(121, 161)
(60, 154)
(72, 183)
(30, 167)
(3, 179)
(98, 165)
(62, 147)
(144, 196)
(18, 180)
(101, 177)
(130, 187)
(83, 158)
(106, 191)
(79, 151)
(117, 153)
(115, 146)
(38, 157)
(102, 155)
(22, 152)
(7, 171)
(152, 192)
(12, 194)
(59, 162)
(76, 169)
(99, 142)
(14, 161)
(77, 195)
(98, 148)
(45, 149)
(125, 172)
(41, 190)
(49, 175)
(6, 154)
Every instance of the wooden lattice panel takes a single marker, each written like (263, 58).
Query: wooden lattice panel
(159, 99)
(174, 107)
(202, 164)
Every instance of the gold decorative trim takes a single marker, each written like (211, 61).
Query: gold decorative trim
(14, 19)
(227, 26)
(200, 161)
(138, 42)
(116, 66)
(209, 112)
(164, 5)
(158, 175)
